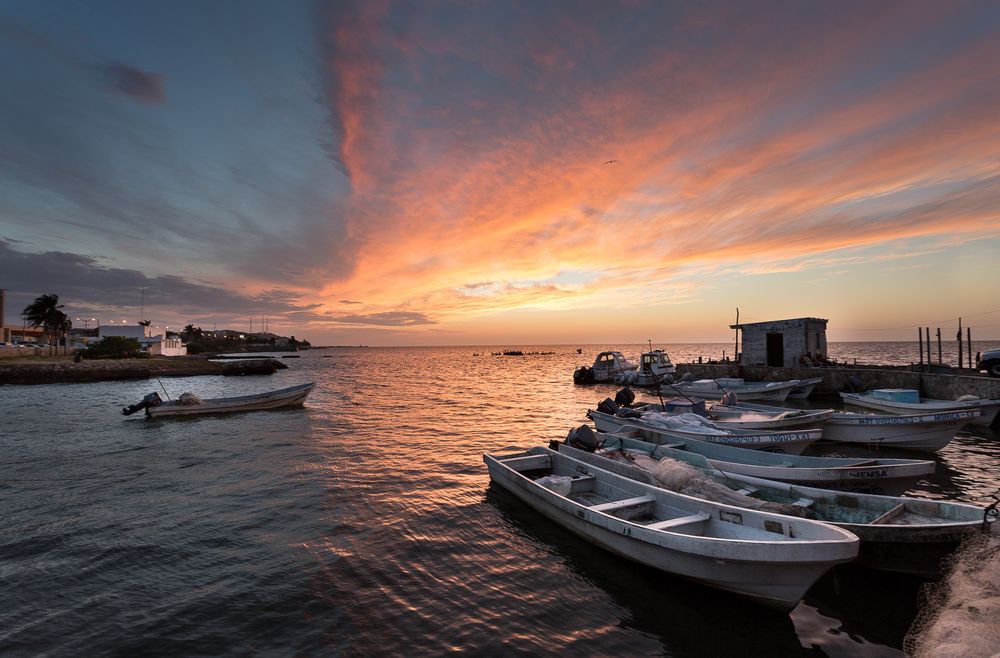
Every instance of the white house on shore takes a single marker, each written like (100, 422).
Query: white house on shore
(151, 339)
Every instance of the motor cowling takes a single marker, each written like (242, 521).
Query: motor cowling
(150, 400)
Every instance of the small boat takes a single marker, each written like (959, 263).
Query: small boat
(190, 405)
(607, 367)
(908, 401)
(743, 416)
(897, 533)
(713, 389)
(654, 366)
(692, 426)
(770, 558)
(889, 477)
(805, 388)
(928, 432)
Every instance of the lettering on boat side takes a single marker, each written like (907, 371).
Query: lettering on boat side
(731, 517)
(867, 475)
(905, 420)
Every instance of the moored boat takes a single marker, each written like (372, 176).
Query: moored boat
(654, 367)
(714, 389)
(189, 405)
(928, 432)
(877, 475)
(740, 416)
(908, 401)
(805, 388)
(607, 367)
(692, 426)
(770, 558)
(897, 533)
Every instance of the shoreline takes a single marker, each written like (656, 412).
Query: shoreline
(63, 370)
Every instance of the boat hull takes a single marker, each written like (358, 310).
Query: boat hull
(792, 442)
(759, 392)
(774, 573)
(926, 432)
(805, 388)
(916, 545)
(889, 477)
(988, 409)
(294, 396)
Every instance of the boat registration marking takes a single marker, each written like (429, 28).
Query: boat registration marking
(867, 475)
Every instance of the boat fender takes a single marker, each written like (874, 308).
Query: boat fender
(583, 438)
(624, 397)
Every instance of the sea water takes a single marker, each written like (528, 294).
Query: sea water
(365, 524)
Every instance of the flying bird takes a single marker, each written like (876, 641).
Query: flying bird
(611, 162)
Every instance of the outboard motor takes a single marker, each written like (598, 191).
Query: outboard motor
(608, 406)
(151, 400)
(625, 397)
(583, 375)
(583, 438)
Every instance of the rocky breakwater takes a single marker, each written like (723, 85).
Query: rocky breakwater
(65, 371)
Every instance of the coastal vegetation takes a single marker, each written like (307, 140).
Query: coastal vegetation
(46, 312)
(199, 341)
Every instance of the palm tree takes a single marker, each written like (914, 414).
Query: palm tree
(45, 312)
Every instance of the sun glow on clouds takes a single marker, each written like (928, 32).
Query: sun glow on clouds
(762, 153)
(483, 161)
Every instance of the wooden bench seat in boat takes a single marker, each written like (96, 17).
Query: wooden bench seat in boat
(680, 521)
(529, 462)
(890, 515)
(627, 508)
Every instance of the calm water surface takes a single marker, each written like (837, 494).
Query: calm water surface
(365, 524)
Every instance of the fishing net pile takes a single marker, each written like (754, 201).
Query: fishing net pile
(686, 422)
(189, 398)
(958, 618)
(686, 479)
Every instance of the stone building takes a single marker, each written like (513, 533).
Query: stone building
(782, 343)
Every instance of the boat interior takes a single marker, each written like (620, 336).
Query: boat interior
(645, 508)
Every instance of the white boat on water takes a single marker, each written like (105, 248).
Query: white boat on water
(928, 432)
(770, 558)
(692, 426)
(189, 405)
(908, 401)
(714, 389)
(805, 388)
(654, 365)
(897, 533)
(877, 475)
(607, 367)
(739, 416)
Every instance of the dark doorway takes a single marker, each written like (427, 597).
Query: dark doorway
(776, 350)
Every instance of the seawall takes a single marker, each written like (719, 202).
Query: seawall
(67, 371)
(931, 385)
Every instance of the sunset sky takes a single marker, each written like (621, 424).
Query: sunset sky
(420, 173)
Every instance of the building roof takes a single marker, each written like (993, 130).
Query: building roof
(754, 324)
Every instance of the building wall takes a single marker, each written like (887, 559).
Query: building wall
(800, 336)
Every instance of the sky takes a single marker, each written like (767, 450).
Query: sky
(487, 172)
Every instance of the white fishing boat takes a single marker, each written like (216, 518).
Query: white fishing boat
(769, 558)
(897, 533)
(607, 367)
(908, 401)
(189, 405)
(928, 432)
(692, 426)
(654, 366)
(876, 475)
(805, 388)
(741, 416)
(714, 389)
